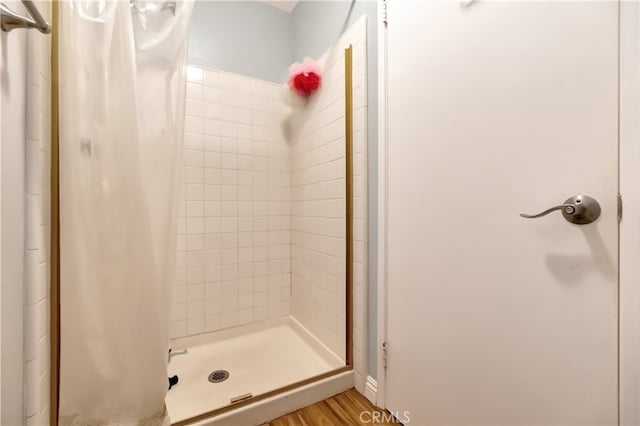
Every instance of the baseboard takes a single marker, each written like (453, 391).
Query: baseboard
(371, 389)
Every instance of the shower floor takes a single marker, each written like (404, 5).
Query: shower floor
(259, 358)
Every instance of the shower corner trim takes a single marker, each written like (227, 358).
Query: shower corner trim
(348, 86)
(54, 281)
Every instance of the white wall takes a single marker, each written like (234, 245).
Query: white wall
(25, 153)
(233, 263)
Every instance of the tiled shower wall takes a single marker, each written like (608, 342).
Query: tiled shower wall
(318, 212)
(318, 204)
(233, 260)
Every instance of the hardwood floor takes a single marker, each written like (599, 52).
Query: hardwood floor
(347, 408)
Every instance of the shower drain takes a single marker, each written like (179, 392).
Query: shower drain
(218, 376)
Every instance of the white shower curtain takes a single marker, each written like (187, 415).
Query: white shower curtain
(122, 84)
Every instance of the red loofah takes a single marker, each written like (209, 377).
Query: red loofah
(306, 84)
(304, 78)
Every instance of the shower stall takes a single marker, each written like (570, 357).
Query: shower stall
(264, 273)
(261, 273)
(212, 222)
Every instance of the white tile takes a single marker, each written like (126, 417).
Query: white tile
(195, 225)
(195, 259)
(194, 208)
(193, 158)
(229, 272)
(229, 224)
(195, 309)
(229, 319)
(193, 124)
(229, 177)
(213, 322)
(212, 111)
(194, 74)
(213, 273)
(245, 300)
(260, 313)
(212, 78)
(177, 329)
(179, 294)
(244, 130)
(211, 143)
(245, 239)
(178, 312)
(212, 208)
(194, 242)
(245, 254)
(213, 176)
(194, 91)
(195, 293)
(213, 160)
(195, 276)
(213, 305)
(212, 94)
(213, 225)
(194, 107)
(245, 285)
(194, 141)
(245, 269)
(230, 208)
(230, 161)
(245, 316)
(213, 241)
(229, 192)
(195, 325)
(259, 298)
(193, 175)
(212, 192)
(229, 256)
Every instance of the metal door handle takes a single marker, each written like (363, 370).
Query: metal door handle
(580, 210)
(568, 208)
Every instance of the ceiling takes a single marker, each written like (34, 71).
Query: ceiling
(286, 5)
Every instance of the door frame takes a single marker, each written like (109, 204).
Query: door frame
(629, 227)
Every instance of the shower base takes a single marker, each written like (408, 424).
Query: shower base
(258, 357)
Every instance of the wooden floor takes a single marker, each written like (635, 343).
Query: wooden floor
(347, 408)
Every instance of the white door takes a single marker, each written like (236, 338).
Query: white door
(496, 109)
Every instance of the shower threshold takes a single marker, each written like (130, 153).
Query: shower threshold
(259, 358)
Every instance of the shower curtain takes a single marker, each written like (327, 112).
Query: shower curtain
(122, 95)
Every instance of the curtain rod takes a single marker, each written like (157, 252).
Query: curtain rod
(10, 20)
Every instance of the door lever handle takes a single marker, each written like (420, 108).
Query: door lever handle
(566, 208)
(580, 210)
